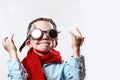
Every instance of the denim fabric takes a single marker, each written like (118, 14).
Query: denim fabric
(72, 70)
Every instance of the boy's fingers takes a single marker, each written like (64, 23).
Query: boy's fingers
(72, 35)
(4, 40)
(79, 33)
(12, 36)
(9, 39)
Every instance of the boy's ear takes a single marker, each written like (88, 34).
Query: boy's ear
(55, 43)
(28, 43)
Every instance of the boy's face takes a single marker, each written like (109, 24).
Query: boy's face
(45, 44)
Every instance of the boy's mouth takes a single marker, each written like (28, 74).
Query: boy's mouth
(44, 43)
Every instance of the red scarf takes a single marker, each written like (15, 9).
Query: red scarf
(33, 63)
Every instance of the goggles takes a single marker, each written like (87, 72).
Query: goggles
(37, 34)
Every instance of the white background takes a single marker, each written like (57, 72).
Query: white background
(98, 20)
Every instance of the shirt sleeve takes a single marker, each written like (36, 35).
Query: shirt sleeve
(75, 69)
(16, 71)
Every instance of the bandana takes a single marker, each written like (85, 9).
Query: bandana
(33, 63)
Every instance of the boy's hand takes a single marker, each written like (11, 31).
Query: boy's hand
(9, 46)
(77, 41)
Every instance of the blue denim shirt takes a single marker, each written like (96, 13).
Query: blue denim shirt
(72, 70)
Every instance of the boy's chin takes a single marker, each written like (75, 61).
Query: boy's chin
(43, 51)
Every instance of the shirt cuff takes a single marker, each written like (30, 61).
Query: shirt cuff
(13, 65)
(77, 62)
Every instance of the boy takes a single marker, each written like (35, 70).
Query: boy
(43, 62)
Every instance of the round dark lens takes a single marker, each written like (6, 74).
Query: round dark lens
(53, 33)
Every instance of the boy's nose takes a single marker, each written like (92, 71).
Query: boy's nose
(45, 36)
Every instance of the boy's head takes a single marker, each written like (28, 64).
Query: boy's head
(41, 19)
(45, 28)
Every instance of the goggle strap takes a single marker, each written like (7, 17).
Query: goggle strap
(23, 45)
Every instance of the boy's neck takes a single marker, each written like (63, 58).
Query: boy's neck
(40, 53)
